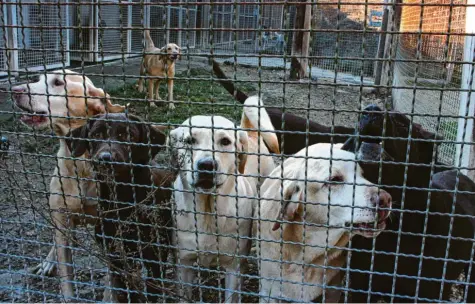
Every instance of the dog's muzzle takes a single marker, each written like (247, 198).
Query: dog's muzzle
(174, 56)
(205, 177)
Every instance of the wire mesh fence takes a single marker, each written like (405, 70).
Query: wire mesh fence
(236, 151)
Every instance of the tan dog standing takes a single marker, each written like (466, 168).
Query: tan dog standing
(321, 194)
(158, 63)
(70, 198)
(208, 163)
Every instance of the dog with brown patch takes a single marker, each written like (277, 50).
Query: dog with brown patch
(135, 220)
(63, 100)
(309, 206)
(214, 193)
(158, 64)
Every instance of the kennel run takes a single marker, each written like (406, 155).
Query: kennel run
(109, 196)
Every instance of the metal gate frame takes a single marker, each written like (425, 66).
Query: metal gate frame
(11, 13)
(93, 52)
(89, 56)
(6, 38)
(106, 57)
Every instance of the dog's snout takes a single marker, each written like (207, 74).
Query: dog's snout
(384, 199)
(105, 156)
(207, 164)
(18, 91)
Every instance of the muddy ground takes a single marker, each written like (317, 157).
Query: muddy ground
(26, 169)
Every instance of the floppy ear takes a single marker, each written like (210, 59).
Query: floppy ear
(101, 103)
(242, 147)
(77, 141)
(163, 53)
(292, 205)
(157, 138)
(419, 132)
(170, 148)
(422, 151)
(349, 145)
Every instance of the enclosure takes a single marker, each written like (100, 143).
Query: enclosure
(352, 180)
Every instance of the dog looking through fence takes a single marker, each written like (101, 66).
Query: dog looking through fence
(70, 99)
(134, 218)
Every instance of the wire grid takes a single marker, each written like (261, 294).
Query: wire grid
(3, 43)
(436, 74)
(30, 39)
(342, 56)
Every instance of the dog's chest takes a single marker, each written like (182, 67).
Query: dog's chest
(208, 230)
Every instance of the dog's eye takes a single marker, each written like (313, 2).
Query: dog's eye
(169, 48)
(122, 136)
(190, 140)
(97, 135)
(58, 82)
(225, 142)
(336, 178)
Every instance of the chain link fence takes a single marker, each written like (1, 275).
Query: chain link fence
(236, 151)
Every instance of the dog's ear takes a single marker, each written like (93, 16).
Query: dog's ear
(349, 145)
(157, 139)
(179, 52)
(419, 132)
(242, 147)
(171, 142)
(76, 140)
(292, 205)
(101, 103)
(163, 53)
(422, 151)
(149, 134)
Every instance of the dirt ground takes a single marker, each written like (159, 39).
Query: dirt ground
(26, 169)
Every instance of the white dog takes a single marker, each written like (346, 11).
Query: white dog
(326, 230)
(211, 154)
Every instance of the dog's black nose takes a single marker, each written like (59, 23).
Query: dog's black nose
(105, 156)
(372, 108)
(207, 164)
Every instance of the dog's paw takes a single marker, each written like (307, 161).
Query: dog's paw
(45, 268)
(153, 104)
(171, 106)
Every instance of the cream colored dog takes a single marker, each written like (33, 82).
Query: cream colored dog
(303, 260)
(160, 64)
(210, 198)
(53, 95)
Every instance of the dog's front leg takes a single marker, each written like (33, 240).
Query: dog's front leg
(65, 269)
(187, 276)
(171, 106)
(151, 91)
(140, 82)
(233, 282)
(48, 266)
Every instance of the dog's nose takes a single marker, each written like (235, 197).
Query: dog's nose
(18, 90)
(207, 164)
(105, 156)
(383, 199)
(372, 108)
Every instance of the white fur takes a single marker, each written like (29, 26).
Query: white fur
(313, 191)
(195, 229)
